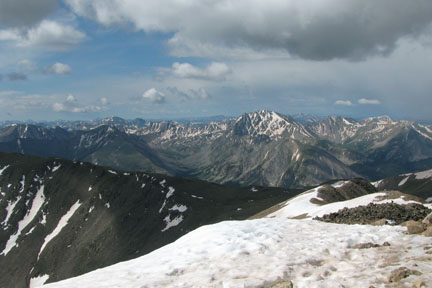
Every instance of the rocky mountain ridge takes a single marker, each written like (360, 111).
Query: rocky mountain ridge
(260, 148)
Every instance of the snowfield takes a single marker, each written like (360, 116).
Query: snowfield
(263, 252)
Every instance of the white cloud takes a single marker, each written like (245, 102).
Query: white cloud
(47, 34)
(10, 35)
(369, 101)
(58, 68)
(71, 105)
(317, 30)
(214, 71)
(58, 107)
(189, 94)
(7, 93)
(70, 98)
(27, 65)
(343, 103)
(61, 107)
(17, 100)
(154, 96)
(104, 101)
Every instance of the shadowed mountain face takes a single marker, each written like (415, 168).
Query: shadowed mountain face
(418, 184)
(62, 218)
(260, 148)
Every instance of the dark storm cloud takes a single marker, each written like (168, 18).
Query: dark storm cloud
(15, 13)
(16, 76)
(316, 30)
(363, 28)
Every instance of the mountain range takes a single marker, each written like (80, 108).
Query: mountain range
(259, 148)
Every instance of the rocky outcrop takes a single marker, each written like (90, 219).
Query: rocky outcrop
(345, 191)
(374, 212)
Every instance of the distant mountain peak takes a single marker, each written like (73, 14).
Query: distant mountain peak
(271, 124)
(385, 119)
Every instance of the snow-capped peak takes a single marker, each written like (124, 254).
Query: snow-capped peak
(385, 119)
(271, 124)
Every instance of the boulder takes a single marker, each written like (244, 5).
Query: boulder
(428, 231)
(419, 283)
(414, 227)
(401, 273)
(428, 219)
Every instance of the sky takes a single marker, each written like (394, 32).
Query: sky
(167, 59)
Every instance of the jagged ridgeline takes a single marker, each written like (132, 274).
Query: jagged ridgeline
(61, 218)
(260, 148)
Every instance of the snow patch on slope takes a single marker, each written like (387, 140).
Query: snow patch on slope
(179, 208)
(38, 281)
(60, 225)
(401, 183)
(171, 191)
(298, 205)
(424, 174)
(9, 210)
(376, 183)
(421, 132)
(28, 218)
(172, 222)
(55, 168)
(338, 184)
(3, 169)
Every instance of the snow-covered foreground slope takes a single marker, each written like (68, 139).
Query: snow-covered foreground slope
(263, 252)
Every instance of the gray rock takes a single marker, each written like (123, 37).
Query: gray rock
(401, 273)
(428, 232)
(414, 227)
(285, 284)
(428, 219)
(419, 283)
(369, 245)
